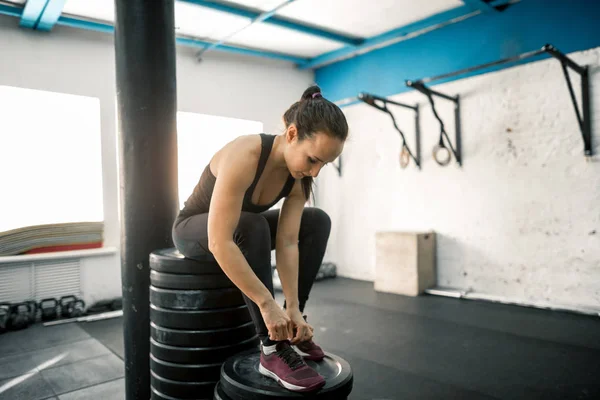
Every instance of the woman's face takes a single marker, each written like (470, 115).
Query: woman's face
(307, 157)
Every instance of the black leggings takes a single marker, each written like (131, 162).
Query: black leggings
(255, 236)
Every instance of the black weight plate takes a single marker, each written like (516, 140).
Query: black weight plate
(189, 282)
(241, 380)
(199, 319)
(185, 372)
(196, 299)
(202, 338)
(219, 394)
(172, 261)
(182, 390)
(156, 395)
(200, 355)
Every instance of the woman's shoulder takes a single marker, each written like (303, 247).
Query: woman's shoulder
(247, 146)
(243, 151)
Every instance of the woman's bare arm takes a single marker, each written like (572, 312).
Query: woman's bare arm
(286, 247)
(236, 169)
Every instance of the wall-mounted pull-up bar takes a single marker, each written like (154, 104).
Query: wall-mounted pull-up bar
(441, 154)
(381, 103)
(583, 117)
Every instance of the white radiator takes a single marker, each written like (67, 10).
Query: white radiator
(39, 279)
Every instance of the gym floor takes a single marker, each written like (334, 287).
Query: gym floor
(399, 348)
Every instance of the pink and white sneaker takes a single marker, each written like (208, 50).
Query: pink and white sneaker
(310, 350)
(281, 363)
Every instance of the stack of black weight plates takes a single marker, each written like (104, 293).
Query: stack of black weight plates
(241, 380)
(198, 319)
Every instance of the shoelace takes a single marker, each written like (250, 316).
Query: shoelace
(290, 357)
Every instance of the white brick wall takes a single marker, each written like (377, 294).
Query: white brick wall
(519, 220)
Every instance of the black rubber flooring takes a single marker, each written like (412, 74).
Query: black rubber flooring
(399, 348)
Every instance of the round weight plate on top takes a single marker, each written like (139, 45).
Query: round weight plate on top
(172, 261)
(241, 380)
(165, 280)
(202, 338)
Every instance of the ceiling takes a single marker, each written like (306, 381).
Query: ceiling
(307, 32)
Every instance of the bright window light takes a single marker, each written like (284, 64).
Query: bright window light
(199, 137)
(50, 158)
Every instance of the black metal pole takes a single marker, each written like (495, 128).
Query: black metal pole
(548, 48)
(585, 105)
(458, 135)
(147, 106)
(418, 135)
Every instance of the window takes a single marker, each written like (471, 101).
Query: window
(50, 158)
(199, 137)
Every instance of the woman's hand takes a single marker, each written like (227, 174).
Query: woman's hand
(277, 321)
(304, 331)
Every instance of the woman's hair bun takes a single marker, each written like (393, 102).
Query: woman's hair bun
(311, 92)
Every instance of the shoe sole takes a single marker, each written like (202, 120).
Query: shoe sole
(307, 356)
(287, 385)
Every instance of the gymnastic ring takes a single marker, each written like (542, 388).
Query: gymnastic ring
(436, 151)
(404, 158)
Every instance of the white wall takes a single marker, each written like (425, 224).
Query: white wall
(519, 220)
(81, 62)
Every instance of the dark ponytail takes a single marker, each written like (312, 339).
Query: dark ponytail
(313, 113)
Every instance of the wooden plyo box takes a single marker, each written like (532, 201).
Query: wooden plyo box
(405, 262)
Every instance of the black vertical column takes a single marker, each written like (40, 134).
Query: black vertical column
(147, 105)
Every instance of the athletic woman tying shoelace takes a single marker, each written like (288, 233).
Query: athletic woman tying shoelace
(228, 214)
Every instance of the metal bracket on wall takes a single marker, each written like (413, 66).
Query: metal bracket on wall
(405, 153)
(441, 154)
(583, 117)
(585, 125)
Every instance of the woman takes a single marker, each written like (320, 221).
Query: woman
(227, 216)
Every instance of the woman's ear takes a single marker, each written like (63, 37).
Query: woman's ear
(291, 133)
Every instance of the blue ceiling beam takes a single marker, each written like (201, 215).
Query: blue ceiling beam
(11, 11)
(50, 15)
(480, 5)
(241, 11)
(32, 12)
(388, 38)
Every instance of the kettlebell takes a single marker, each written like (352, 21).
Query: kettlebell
(49, 309)
(78, 308)
(19, 316)
(33, 307)
(4, 316)
(66, 306)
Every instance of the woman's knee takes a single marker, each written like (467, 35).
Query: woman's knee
(316, 218)
(253, 233)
